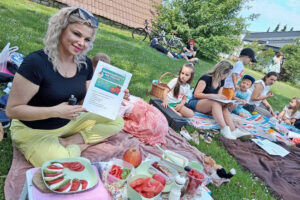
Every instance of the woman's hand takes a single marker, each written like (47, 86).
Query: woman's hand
(221, 96)
(66, 111)
(165, 104)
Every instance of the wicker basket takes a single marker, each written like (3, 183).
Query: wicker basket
(158, 89)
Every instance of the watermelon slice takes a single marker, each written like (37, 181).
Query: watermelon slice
(84, 184)
(75, 185)
(57, 180)
(51, 178)
(65, 187)
(59, 185)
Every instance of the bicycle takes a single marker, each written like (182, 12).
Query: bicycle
(143, 32)
(175, 42)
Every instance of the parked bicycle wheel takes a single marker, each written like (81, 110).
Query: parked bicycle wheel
(175, 44)
(139, 32)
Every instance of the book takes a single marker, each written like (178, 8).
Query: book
(225, 101)
(106, 90)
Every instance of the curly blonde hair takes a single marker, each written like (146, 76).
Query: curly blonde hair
(57, 23)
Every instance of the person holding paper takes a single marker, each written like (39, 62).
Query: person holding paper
(44, 126)
(210, 86)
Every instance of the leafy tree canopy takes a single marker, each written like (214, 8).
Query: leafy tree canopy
(215, 25)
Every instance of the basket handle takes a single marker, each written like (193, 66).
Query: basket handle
(163, 75)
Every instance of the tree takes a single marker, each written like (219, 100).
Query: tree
(292, 29)
(291, 66)
(284, 28)
(215, 25)
(268, 29)
(277, 28)
(263, 57)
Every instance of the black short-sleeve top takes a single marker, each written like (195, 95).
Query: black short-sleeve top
(53, 87)
(209, 88)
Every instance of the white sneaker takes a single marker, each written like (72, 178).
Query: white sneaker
(185, 134)
(227, 133)
(238, 133)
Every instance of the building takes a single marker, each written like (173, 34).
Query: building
(274, 40)
(131, 13)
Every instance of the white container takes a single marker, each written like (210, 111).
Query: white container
(181, 161)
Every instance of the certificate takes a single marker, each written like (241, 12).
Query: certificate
(106, 90)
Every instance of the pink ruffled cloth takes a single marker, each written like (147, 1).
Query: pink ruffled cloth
(146, 123)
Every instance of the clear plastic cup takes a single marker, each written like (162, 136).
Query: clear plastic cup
(194, 185)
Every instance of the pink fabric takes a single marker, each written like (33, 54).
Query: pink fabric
(115, 146)
(146, 123)
(95, 193)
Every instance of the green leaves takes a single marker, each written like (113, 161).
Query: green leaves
(215, 22)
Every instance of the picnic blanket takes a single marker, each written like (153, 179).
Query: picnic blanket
(115, 146)
(279, 173)
(202, 121)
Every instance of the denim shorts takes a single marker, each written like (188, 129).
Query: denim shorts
(192, 104)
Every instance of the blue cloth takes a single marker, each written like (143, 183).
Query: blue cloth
(240, 109)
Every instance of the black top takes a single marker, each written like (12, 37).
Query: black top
(53, 87)
(209, 89)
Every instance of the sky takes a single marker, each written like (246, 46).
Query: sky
(273, 12)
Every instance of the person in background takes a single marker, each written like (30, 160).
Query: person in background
(291, 112)
(178, 89)
(247, 55)
(189, 52)
(275, 65)
(106, 59)
(44, 126)
(243, 95)
(260, 92)
(100, 57)
(154, 44)
(210, 86)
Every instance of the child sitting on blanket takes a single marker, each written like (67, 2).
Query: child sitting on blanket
(178, 89)
(242, 95)
(291, 112)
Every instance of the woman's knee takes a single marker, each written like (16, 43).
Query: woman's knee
(53, 152)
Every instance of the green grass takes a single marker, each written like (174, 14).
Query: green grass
(24, 23)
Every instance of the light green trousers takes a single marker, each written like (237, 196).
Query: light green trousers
(38, 145)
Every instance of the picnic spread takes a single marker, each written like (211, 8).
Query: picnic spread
(115, 148)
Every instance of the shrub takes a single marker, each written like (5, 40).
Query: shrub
(214, 25)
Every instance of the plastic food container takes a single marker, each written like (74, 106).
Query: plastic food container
(173, 173)
(132, 194)
(193, 184)
(111, 179)
(181, 161)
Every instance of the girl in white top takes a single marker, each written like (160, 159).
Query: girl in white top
(261, 91)
(176, 94)
(291, 112)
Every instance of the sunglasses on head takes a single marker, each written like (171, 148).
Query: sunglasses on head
(86, 16)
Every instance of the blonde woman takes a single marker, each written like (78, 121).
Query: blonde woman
(45, 127)
(210, 86)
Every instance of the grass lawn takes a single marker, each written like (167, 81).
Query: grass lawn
(24, 23)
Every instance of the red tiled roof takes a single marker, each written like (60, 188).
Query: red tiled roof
(132, 13)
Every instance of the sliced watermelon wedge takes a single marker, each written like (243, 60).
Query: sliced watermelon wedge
(51, 178)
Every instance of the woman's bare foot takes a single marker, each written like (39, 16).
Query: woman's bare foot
(73, 139)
